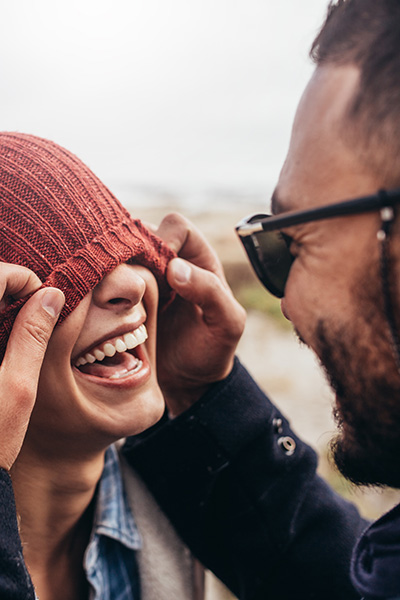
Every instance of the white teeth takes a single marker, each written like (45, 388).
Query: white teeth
(130, 341)
(120, 346)
(125, 372)
(127, 342)
(109, 349)
(99, 354)
(141, 334)
(119, 374)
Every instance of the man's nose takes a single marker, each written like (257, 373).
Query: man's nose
(121, 289)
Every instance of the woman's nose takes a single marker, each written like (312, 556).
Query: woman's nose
(121, 289)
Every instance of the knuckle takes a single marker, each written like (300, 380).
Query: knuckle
(36, 333)
(214, 286)
(238, 330)
(237, 323)
(241, 314)
(21, 392)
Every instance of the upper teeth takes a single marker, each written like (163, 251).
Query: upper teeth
(126, 342)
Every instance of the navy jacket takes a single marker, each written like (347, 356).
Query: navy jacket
(249, 504)
(15, 583)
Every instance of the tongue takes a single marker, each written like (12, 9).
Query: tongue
(121, 361)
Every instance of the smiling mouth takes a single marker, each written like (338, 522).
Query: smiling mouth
(116, 358)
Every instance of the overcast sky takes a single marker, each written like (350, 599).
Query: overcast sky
(170, 93)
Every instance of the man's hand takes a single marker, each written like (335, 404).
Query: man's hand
(19, 371)
(199, 331)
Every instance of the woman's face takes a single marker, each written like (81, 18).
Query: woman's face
(98, 382)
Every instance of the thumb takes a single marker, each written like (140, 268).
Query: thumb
(203, 288)
(19, 372)
(30, 334)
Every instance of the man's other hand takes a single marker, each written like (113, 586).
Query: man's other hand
(200, 329)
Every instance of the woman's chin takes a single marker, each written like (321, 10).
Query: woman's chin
(134, 418)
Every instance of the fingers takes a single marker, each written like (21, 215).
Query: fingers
(16, 281)
(205, 289)
(189, 243)
(174, 230)
(29, 337)
(20, 369)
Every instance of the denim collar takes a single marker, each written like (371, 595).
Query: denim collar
(112, 517)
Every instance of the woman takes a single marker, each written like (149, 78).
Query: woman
(97, 385)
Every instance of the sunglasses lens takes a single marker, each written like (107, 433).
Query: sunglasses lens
(269, 254)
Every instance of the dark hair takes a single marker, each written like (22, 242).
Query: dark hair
(366, 34)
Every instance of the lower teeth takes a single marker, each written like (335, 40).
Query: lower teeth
(123, 374)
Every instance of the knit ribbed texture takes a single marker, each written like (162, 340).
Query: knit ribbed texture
(60, 221)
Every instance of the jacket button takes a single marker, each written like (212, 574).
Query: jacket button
(287, 444)
(277, 425)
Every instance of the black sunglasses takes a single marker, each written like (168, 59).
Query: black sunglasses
(267, 247)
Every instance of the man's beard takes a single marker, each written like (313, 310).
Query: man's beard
(362, 372)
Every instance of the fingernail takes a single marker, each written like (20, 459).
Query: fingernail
(53, 301)
(180, 270)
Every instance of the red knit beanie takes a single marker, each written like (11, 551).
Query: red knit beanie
(60, 221)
